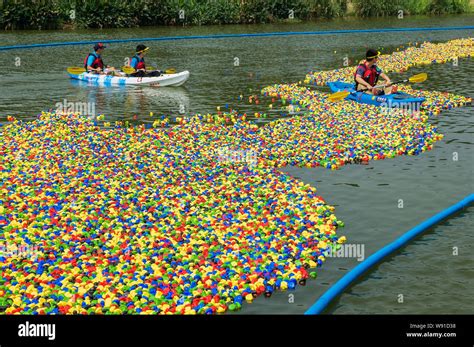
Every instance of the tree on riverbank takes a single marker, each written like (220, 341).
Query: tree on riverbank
(59, 14)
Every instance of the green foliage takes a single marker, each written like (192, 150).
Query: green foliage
(281, 9)
(225, 12)
(117, 13)
(150, 12)
(30, 14)
(56, 14)
(331, 8)
(376, 8)
(417, 6)
(254, 11)
(371, 8)
(262, 11)
(449, 6)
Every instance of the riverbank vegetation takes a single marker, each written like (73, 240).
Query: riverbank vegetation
(64, 14)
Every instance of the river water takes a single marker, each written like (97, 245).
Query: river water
(366, 197)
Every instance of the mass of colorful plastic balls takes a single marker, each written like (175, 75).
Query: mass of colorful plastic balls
(135, 220)
(99, 217)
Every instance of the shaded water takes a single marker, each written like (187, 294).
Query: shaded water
(433, 275)
(365, 197)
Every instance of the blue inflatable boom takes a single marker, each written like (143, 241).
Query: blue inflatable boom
(226, 36)
(338, 288)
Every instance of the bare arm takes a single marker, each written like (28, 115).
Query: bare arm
(386, 78)
(360, 80)
(90, 68)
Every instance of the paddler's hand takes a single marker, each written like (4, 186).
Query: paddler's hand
(389, 83)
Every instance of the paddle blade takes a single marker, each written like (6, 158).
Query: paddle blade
(75, 70)
(171, 70)
(418, 78)
(128, 69)
(338, 96)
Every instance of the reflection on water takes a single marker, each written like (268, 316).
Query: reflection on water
(131, 102)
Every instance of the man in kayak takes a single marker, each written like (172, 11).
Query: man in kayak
(138, 63)
(368, 73)
(94, 63)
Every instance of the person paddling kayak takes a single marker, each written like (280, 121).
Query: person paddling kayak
(368, 73)
(138, 63)
(94, 63)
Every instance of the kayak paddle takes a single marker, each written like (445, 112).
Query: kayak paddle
(75, 70)
(129, 70)
(413, 79)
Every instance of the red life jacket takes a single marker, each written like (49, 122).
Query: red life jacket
(140, 62)
(371, 75)
(98, 62)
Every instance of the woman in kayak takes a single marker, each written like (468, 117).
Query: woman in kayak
(94, 63)
(138, 63)
(368, 73)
